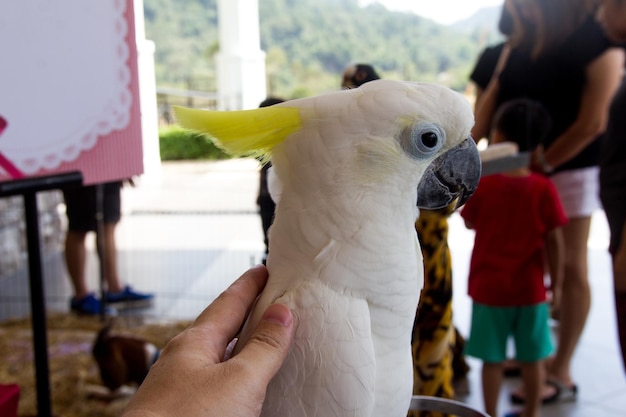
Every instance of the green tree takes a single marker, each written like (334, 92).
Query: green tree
(309, 42)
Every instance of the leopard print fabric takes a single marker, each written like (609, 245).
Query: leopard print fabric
(434, 336)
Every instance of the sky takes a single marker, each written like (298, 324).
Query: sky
(441, 11)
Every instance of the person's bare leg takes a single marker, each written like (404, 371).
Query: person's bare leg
(109, 253)
(532, 378)
(575, 298)
(492, 381)
(619, 282)
(76, 261)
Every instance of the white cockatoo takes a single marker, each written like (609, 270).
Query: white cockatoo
(349, 170)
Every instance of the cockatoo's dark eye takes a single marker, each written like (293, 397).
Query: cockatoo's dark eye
(422, 140)
(430, 139)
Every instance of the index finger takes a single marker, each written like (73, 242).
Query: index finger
(225, 315)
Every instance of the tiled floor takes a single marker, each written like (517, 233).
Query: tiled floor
(187, 235)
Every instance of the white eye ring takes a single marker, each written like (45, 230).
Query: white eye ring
(422, 139)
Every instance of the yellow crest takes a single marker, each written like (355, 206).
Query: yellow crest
(243, 132)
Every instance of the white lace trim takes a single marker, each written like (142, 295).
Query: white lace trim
(56, 105)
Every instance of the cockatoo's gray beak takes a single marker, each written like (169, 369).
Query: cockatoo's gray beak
(452, 176)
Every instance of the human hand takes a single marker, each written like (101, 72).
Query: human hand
(191, 378)
(538, 161)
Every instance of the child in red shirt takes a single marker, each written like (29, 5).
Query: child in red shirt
(516, 215)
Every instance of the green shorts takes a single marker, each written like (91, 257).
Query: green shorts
(492, 326)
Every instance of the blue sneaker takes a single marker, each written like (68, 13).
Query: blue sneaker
(129, 297)
(89, 305)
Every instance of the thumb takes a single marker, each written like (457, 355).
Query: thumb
(270, 343)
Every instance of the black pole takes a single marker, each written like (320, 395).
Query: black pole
(37, 305)
(28, 188)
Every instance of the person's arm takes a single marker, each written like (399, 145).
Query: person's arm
(555, 254)
(191, 377)
(479, 91)
(603, 77)
(486, 103)
(485, 107)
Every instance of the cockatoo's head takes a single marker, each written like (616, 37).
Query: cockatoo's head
(381, 133)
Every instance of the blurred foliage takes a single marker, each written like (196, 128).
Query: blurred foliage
(176, 143)
(309, 43)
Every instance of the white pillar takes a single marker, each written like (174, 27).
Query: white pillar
(147, 99)
(240, 62)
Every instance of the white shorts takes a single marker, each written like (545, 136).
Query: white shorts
(579, 191)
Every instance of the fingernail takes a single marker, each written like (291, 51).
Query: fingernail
(279, 314)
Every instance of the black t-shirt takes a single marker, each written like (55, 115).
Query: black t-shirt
(557, 79)
(486, 64)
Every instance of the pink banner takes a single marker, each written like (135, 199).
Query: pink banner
(69, 95)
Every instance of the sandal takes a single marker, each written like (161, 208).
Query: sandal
(566, 393)
(562, 393)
